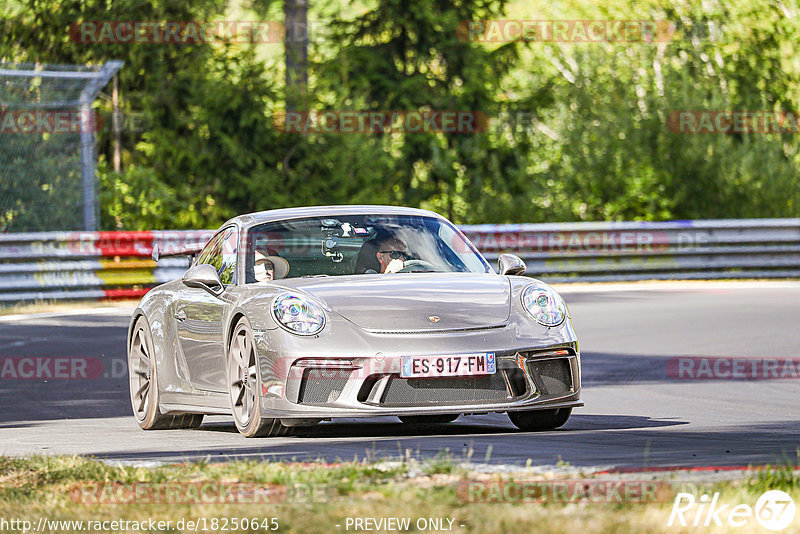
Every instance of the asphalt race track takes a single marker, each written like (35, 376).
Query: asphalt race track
(637, 413)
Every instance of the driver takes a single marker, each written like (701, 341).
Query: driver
(269, 266)
(392, 255)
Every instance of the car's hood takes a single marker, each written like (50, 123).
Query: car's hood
(413, 301)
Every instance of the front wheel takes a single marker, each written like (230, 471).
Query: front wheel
(244, 386)
(142, 379)
(533, 420)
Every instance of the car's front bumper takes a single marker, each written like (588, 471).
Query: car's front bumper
(320, 387)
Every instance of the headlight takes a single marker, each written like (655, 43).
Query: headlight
(298, 315)
(544, 304)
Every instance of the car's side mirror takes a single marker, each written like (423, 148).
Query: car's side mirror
(510, 264)
(204, 276)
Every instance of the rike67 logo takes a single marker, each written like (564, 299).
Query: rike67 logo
(774, 510)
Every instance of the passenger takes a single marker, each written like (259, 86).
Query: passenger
(269, 266)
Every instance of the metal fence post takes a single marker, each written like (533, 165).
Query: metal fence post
(88, 169)
(88, 160)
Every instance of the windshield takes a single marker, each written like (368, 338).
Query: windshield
(358, 244)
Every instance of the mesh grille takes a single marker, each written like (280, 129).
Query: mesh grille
(321, 386)
(415, 391)
(554, 376)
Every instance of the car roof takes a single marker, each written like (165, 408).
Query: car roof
(251, 219)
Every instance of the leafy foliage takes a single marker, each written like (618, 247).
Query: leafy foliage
(579, 130)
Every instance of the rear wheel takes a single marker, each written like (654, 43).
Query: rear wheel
(142, 378)
(429, 419)
(532, 420)
(244, 386)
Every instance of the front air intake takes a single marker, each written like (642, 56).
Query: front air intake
(322, 386)
(451, 390)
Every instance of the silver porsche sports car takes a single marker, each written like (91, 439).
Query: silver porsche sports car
(294, 316)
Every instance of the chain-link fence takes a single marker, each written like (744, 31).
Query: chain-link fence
(47, 145)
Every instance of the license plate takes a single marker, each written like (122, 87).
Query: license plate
(453, 365)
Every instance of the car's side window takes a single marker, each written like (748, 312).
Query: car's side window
(207, 250)
(220, 253)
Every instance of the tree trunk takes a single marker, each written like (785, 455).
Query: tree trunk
(296, 43)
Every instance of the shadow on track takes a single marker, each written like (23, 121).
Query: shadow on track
(473, 425)
(645, 445)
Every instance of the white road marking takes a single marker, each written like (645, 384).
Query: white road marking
(48, 315)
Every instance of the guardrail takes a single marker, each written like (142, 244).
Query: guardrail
(89, 265)
(623, 251)
(99, 265)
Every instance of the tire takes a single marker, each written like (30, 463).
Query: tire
(429, 419)
(143, 385)
(533, 420)
(244, 385)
